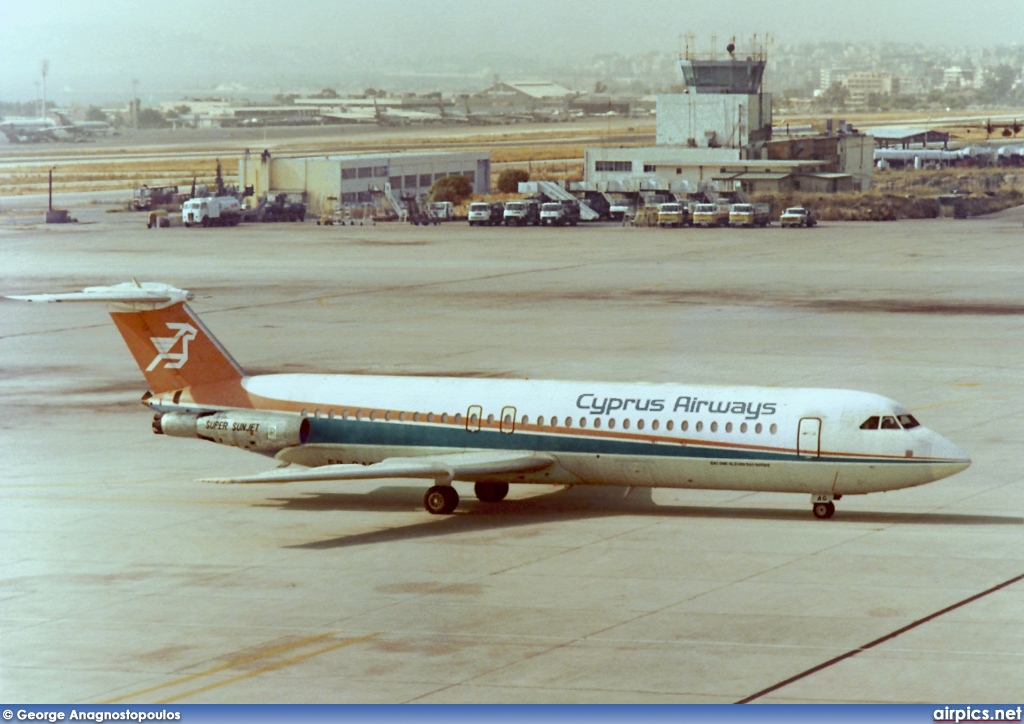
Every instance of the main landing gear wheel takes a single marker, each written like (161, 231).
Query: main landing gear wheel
(491, 492)
(441, 500)
(824, 510)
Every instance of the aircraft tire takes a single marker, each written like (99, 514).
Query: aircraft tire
(490, 492)
(823, 511)
(441, 500)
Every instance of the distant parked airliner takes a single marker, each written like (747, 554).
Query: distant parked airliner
(822, 442)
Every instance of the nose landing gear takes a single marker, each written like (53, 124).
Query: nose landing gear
(822, 506)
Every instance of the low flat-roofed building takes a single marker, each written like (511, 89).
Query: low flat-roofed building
(848, 154)
(889, 136)
(681, 170)
(527, 94)
(653, 167)
(325, 181)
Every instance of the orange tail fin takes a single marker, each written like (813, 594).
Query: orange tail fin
(174, 349)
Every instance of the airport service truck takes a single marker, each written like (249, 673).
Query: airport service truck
(750, 215)
(146, 198)
(560, 213)
(482, 213)
(673, 214)
(710, 215)
(797, 216)
(211, 211)
(521, 213)
(442, 210)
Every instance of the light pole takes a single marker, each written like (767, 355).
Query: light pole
(46, 69)
(51, 187)
(135, 104)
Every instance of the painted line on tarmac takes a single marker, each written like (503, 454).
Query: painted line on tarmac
(881, 640)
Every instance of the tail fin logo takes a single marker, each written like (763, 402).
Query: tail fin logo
(164, 345)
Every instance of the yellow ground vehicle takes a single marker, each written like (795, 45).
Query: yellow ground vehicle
(710, 215)
(750, 215)
(673, 214)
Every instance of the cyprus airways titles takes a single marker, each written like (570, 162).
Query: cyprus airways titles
(827, 443)
(608, 405)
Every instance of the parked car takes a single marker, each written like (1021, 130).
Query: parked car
(797, 216)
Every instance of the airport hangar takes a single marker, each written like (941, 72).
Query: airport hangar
(359, 179)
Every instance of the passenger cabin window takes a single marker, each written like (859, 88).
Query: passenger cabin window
(870, 424)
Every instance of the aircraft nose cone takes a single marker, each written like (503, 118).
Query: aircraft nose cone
(951, 454)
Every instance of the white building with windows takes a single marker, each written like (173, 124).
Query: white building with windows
(325, 181)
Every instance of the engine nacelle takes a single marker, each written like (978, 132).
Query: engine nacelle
(264, 431)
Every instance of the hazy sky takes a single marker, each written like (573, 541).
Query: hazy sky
(102, 45)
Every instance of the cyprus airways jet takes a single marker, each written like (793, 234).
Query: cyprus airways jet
(825, 443)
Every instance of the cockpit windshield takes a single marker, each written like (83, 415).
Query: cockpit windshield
(890, 422)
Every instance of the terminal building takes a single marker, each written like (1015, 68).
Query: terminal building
(717, 135)
(324, 182)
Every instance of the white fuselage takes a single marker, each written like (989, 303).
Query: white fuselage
(654, 435)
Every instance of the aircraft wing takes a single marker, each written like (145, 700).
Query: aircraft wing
(453, 466)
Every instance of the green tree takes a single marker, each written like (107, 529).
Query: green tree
(835, 97)
(456, 189)
(509, 179)
(152, 118)
(999, 85)
(95, 113)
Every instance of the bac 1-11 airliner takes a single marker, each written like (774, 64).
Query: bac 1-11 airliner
(822, 442)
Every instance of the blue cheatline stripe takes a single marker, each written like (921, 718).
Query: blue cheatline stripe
(405, 434)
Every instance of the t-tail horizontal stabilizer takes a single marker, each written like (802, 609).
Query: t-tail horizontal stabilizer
(149, 294)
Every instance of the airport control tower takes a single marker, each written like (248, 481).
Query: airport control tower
(723, 105)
